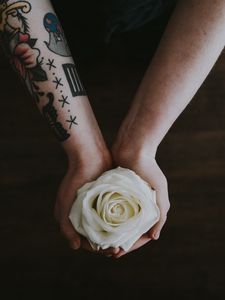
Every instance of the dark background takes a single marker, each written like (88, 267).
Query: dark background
(187, 262)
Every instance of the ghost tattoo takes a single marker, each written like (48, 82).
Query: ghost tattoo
(57, 42)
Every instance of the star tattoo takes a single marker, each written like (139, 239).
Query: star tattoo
(58, 82)
(63, 100)
(50, 64)
(72, 121)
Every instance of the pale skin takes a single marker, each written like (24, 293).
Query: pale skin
(88, 156)
(190, 46)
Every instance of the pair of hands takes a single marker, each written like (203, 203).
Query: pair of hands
(92, 166)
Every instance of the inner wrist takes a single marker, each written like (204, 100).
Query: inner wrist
(87, 155)
(136, 138)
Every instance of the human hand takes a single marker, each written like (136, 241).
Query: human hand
(145, 165)
(79, 172)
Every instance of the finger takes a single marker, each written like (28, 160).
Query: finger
(144, 239)
(162, 201)
(86, 245)
(158, 181)
(109, 251)
(70, 234)
(155, 231)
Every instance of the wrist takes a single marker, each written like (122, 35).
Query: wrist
(91, 156)
(129, 152)
(133, 141)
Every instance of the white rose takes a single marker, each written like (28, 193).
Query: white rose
(115, 210)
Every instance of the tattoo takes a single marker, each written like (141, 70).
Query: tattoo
(21, 48)
(72, 121)
(57, 42)
(50, 64)
(18, 44)
(64, 100)
(58, 82)
(13, 9)
(37, 93)
(73, 79)
(50, 114)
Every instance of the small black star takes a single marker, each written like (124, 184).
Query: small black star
(50, 64)
(63, 100)
(72, 121)
(58, 82)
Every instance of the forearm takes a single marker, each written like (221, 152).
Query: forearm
(191, 44)
(36, 46)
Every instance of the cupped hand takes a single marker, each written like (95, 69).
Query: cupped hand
(144, 164)
(79, 173)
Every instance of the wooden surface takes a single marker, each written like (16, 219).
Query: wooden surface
(187, 262)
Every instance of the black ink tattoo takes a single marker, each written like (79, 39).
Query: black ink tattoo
(50, 64)
(58, 82)
(72, 121)
(13, 9)
(50, 114)
(37, 93)
(57, 42)
(64, 101)
(73, 79)
(18, 44)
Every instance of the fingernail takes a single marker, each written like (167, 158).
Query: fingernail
(116, 250)
(156, 235)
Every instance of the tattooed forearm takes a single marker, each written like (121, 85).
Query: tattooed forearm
(38, 51)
